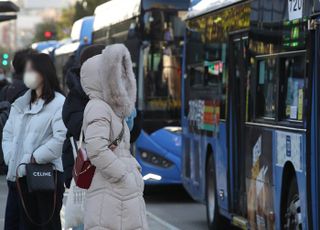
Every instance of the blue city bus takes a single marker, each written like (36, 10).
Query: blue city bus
(81, 36)
(51, 49)
(153, 31)
(250, 134)
(43, 45)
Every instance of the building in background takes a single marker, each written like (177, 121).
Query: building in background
(19, 33)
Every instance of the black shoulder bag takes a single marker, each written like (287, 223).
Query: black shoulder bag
(40, 178)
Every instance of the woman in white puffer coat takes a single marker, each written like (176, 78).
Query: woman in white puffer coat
(115, 198)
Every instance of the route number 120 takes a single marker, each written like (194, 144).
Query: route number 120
(295, 9)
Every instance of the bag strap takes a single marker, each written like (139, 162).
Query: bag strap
(80, 138)
(23, 202)
(118, 140)
(115, 142)
(74, 147)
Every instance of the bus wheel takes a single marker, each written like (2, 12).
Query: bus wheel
(211, 198)
(292, 217)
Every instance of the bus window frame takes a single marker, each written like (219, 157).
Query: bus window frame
(255, 117)
(283, 120)
(279, 120)
(195, 66)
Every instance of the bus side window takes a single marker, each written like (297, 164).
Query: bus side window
(292, 85)
(266, 89)
(196, 76)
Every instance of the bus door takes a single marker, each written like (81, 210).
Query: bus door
(237, 114)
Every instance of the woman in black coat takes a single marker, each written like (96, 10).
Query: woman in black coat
(73, 108)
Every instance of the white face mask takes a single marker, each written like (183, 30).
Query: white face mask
(30, 79)
(2, 77)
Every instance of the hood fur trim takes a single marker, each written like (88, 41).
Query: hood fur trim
(116, 83)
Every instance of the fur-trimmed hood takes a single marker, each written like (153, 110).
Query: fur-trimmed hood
(109, 76)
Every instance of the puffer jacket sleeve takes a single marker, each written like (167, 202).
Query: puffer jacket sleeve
(97, 138)
(52, 149)
(7, 137)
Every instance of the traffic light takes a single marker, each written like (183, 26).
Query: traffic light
(48, 34)
(5, 58)
(4, 62)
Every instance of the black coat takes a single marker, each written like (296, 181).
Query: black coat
(76, 101)
(4, 114)
(72, 115)
(11, 92)
(8, 94)
(3, 83)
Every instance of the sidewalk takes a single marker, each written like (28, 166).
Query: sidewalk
(154, 222)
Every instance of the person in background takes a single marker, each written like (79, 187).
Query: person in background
(4, 114)
(115, 197)
(35, 133)
(72, 63)
(73, 108)
(3, 80)
(17, 88)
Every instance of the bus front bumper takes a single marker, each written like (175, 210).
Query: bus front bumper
(159, 165)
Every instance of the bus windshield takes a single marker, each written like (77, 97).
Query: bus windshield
(162, 60)
(162, 72)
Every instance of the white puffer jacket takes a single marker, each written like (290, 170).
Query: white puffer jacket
(39, 131)
(115, 198)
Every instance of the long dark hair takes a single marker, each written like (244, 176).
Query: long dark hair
(19, 61)
(42, 64)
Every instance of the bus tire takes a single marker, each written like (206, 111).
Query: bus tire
(292, 209)
(213, 217)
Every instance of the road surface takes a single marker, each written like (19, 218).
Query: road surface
(173, 206)
(169, 208)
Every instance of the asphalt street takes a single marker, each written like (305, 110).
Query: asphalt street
(172, 205)
(169, 208)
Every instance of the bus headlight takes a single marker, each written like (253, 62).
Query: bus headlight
(155, 159)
